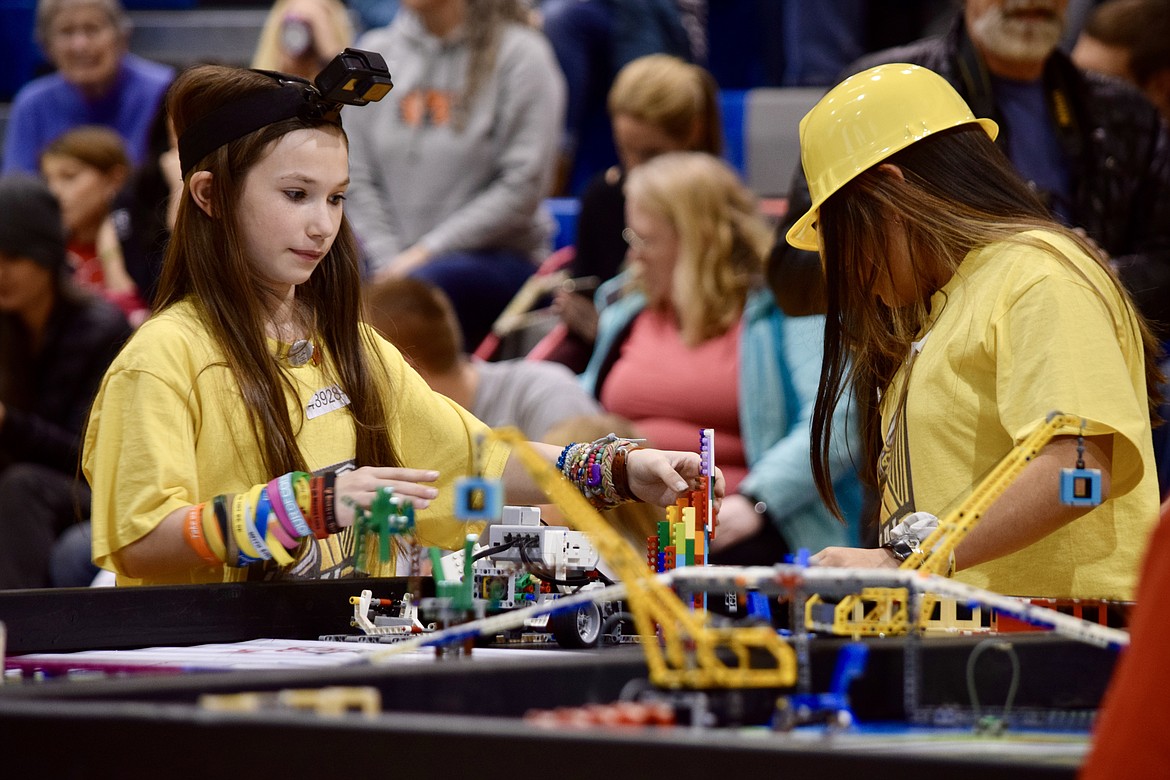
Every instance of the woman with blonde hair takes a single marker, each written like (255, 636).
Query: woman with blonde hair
(300, 36)
(693, 339)
(658, 103)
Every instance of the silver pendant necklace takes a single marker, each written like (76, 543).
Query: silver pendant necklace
(300, 353)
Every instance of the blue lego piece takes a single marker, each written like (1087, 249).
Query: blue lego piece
(478, 499)
(1080, 487)
(800, 557)
(759, 606)
(831, 707)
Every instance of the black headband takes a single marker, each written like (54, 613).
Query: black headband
(354, 77)
(248, 114)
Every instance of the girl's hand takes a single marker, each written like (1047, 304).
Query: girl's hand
(853, 557)
(360, 486)
(661, 476)
(109, 249)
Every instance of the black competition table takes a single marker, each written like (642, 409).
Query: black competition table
(456, 717)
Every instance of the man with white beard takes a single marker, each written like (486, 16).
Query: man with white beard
(1092, 147)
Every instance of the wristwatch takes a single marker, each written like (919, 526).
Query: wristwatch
(903, 548)
(758, 506)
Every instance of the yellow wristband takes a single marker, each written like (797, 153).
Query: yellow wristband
(303, 493)
(248, 553)
(212, 533)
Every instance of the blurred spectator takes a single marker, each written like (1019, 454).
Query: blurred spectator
(300, 37)
(144, 211)
(531, 395)
(450, 169)
(98, 82)
(593, 40)
(693, 339)
(658, 104)
(55, 345)
(372, 14)
(1092, 147)
(85, 169)
(1130, 39)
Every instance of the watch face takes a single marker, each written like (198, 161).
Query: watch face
(901, 548)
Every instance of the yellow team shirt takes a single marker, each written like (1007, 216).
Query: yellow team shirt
(168, 429)
(1015, 334)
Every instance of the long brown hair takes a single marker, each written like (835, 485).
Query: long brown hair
(958, 192)
(206, 265)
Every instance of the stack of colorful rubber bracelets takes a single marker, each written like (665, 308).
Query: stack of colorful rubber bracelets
(598, 469)
(265, 523)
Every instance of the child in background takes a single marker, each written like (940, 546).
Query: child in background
(85, 169)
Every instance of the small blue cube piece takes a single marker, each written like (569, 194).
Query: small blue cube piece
(1080, 487)
(478, 499)
(759, 606)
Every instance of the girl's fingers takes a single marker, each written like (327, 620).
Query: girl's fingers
(386, 473)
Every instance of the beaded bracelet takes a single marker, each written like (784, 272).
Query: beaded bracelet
(598, 469)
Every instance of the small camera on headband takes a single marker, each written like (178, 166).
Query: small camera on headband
(355, 78)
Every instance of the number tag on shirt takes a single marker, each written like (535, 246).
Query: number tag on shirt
(325, 400)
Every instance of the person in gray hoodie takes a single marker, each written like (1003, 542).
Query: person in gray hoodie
(450, 169)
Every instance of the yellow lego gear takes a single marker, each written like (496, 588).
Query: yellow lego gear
(865, 119)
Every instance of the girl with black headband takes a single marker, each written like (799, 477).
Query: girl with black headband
(234, 435)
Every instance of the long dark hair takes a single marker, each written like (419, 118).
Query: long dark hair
(957, 192)
(205, 264)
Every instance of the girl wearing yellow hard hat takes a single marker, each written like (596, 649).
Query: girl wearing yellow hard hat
(961, 314)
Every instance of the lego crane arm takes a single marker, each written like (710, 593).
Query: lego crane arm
(935, 553)
(691, 654)
(887, 607)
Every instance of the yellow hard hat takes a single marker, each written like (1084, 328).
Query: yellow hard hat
(865, 119)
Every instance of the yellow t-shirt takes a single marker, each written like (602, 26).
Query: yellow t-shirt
(168, 429)
(1016, 334)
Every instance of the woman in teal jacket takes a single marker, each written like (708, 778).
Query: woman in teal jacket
(689, 338)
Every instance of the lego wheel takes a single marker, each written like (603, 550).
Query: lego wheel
(841, 720)
(576, 628)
